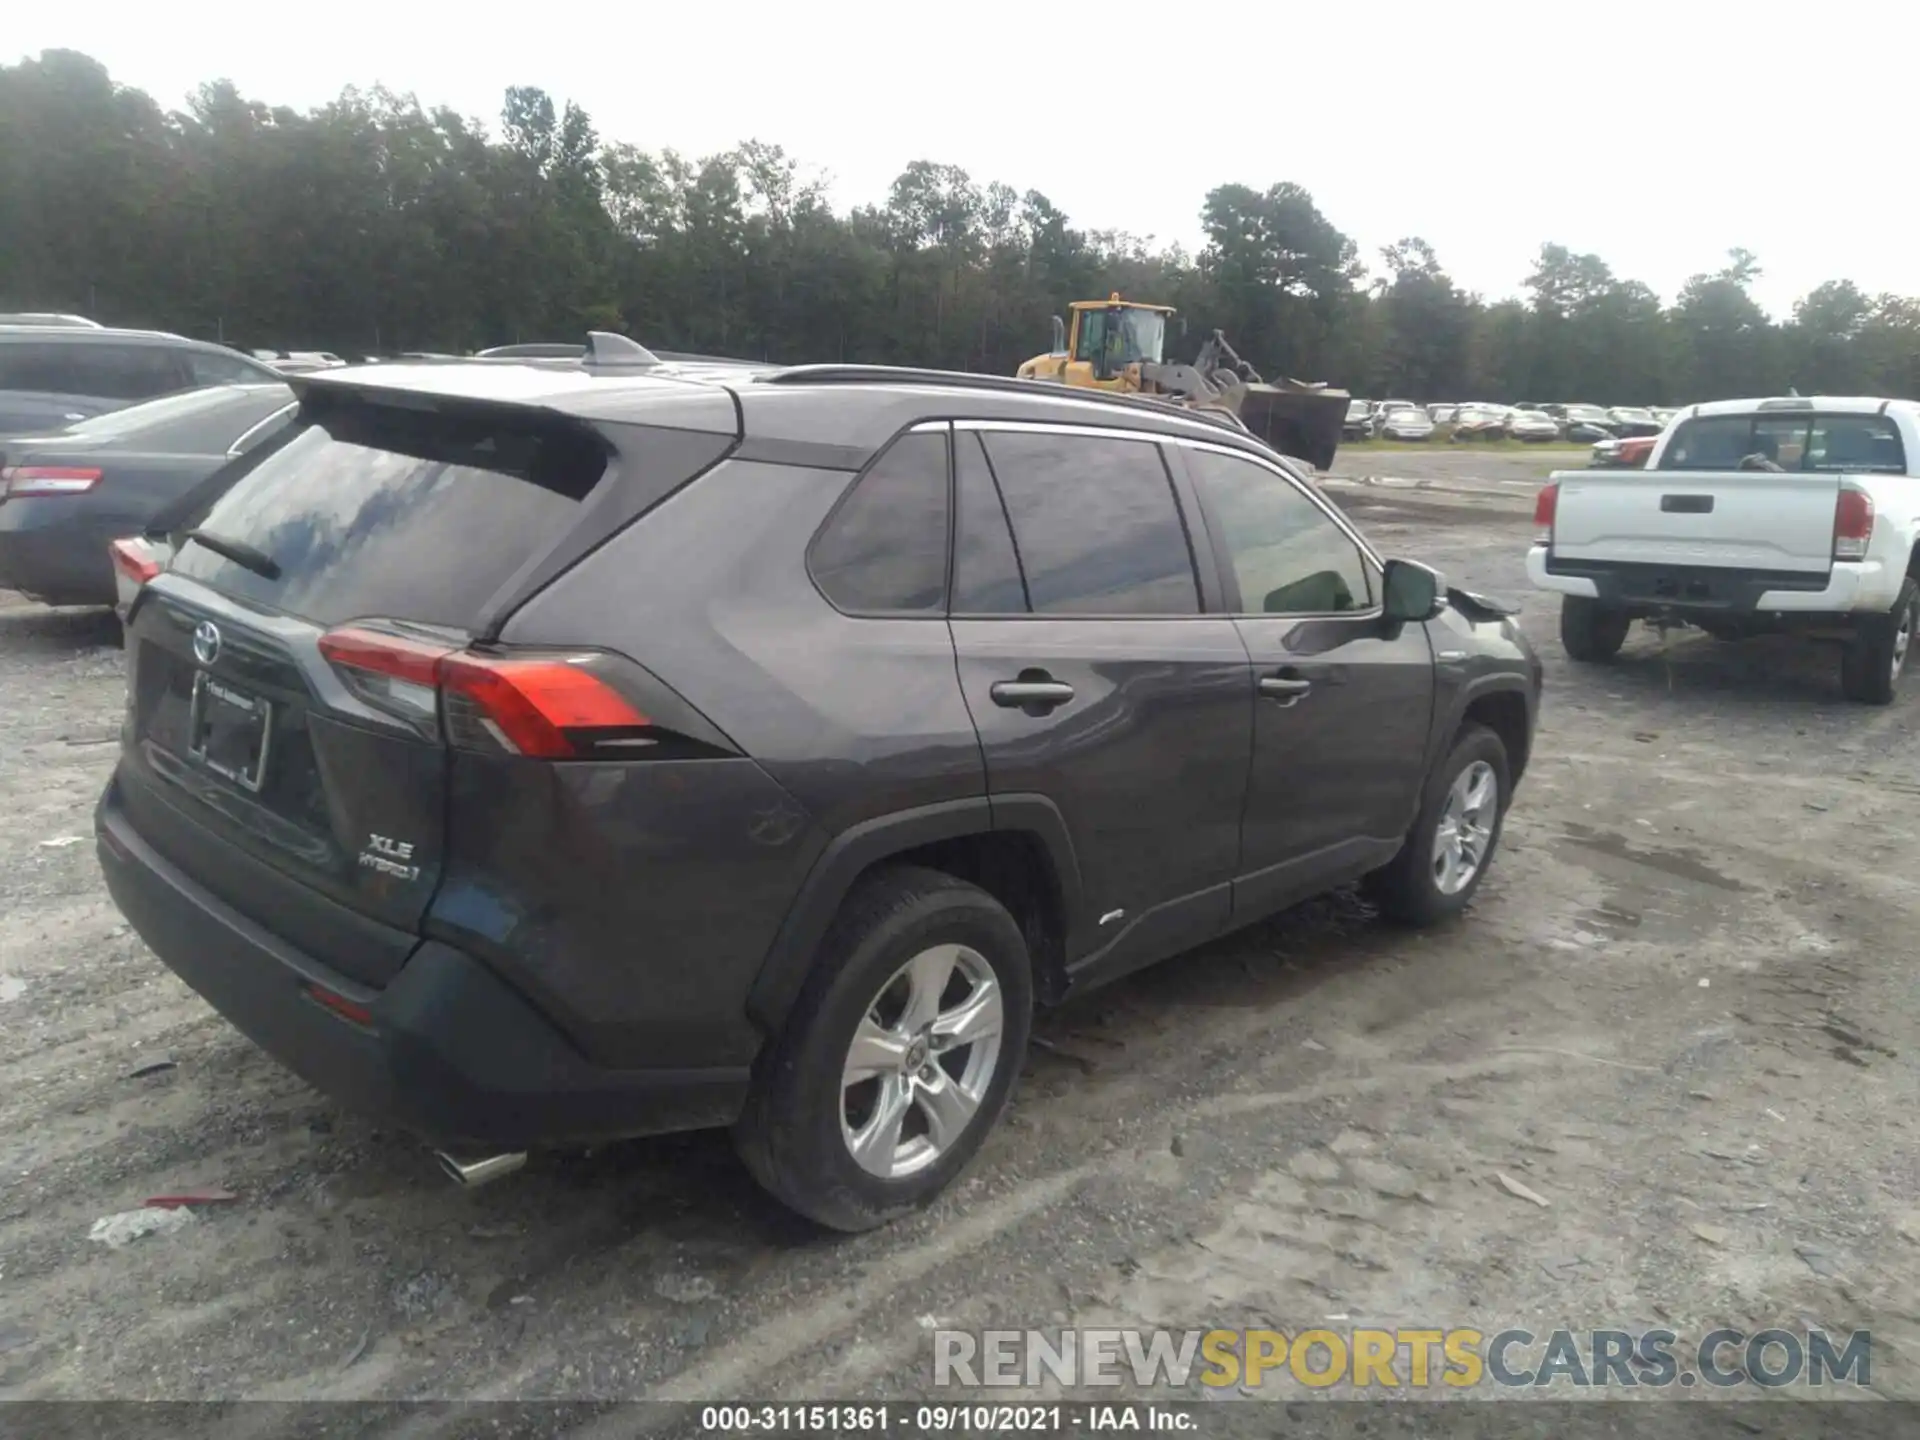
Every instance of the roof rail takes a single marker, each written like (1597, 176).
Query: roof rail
(908, 375)
(606, 349)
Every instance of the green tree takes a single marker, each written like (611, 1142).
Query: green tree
(1728, 346)
(1428, 325)
(377, 223)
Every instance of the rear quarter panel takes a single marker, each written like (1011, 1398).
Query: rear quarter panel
(662, 886)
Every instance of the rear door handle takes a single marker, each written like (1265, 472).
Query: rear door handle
(1285, 689)
(1030, 694)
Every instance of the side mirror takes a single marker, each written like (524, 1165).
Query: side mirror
(1414, 592)
(1059, 336)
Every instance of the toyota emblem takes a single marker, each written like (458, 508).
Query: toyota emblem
(206, 642)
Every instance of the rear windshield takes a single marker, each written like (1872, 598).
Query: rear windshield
(372, 512)
(1855, 444)
(197, 420)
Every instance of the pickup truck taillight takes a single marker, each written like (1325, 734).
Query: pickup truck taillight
(1852, 524)
(1543, 508)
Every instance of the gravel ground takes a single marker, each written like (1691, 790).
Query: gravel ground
(1682, 1012)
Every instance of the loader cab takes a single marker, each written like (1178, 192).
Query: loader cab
(1111, 335)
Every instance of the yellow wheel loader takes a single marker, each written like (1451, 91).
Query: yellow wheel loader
(1117, 345)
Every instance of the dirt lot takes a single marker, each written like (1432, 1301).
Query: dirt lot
(1683, 1012)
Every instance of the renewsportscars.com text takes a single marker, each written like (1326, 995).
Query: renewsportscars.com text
(1416, 1359)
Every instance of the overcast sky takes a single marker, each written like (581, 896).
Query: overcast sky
(1655, 135)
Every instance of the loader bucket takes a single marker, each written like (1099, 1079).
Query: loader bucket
(1303, 421)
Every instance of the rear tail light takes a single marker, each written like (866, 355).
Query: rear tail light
(535, 707)
(1852, 524)
(132, 559)
(1544, 505)
(20, 480)
(392, 673)
(351, 1010)
(546, 707)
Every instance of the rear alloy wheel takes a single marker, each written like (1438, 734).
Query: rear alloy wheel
(1871, 666)
(899, 1055)
(1590, 631)
(1450, 847)
(922, 1059)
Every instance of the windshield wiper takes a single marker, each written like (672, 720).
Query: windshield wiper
(258, 561)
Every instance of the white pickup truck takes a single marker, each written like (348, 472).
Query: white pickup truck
(1799, 514)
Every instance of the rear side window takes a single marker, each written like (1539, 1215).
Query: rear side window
(884, 549)
(369, 512)
(111, 372)
(1095, 524)
(41, 367)
(1789, 440)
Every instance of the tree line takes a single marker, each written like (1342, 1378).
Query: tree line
(376, 224)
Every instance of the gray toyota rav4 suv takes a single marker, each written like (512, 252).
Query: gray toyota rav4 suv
(540, 752)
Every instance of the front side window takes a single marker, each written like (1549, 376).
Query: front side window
(1095, 524)
(212, 368)
(884, 550)
(1288, 557)
(1141, 334)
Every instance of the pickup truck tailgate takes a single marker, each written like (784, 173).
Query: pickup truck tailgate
(1737, 519)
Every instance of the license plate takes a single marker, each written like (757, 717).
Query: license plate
(228, 730)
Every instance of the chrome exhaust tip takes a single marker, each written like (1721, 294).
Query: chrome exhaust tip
(480, 1170)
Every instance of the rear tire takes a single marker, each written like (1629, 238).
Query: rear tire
(819, 1141)
(1424, 883)
(1589, 631)
(1872, 664)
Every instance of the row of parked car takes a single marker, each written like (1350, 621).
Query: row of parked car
(1478, 420)
(107, 436)
(101, 431)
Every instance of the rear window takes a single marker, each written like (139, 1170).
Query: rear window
(193, 422)
(1792, 441)
(370, 512)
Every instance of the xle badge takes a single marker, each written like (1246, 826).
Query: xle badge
(389, 857)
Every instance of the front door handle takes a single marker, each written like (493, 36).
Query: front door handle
(1285, 689)
(1030, 695)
